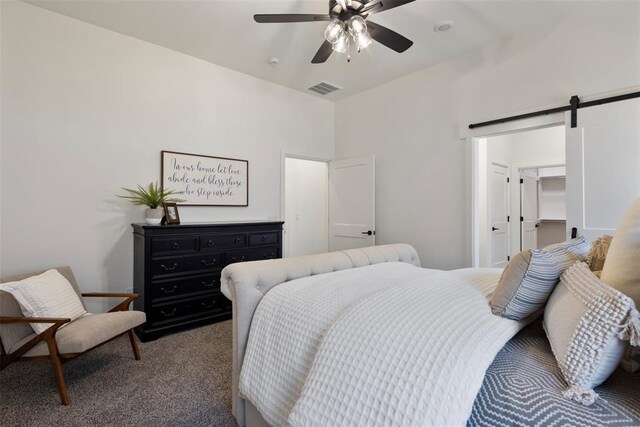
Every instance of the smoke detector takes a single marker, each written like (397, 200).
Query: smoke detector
(443, 26)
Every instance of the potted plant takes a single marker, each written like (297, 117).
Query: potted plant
(153, 197)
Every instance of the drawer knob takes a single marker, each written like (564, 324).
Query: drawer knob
(205, 305)
(234, 259)
(172, 313)
(169, 291)
(175, 264)
(175, 245)
(268, 256)
(208, 285)
(264, 238)
(209, 264)
(238, 240)
(211, 243)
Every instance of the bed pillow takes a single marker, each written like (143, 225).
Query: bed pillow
(570, 251)
(46, 295)
(598, 253)
(588, 323)
(525, 284)
(621, 268)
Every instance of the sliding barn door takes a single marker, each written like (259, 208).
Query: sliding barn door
(352, 203)
(603, 166)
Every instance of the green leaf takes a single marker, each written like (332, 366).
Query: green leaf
(153, 196)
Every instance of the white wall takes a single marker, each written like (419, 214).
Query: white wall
(86, 111)
(413, 125)
(306, 207)
(540, 147)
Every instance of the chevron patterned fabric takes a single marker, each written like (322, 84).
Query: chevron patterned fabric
(523, 387)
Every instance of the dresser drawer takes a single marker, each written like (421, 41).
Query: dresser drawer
(171, 288)
(175, 265)
(264, 239)
(179, 244)
(255, 254)
(185, 309)
(214, 242)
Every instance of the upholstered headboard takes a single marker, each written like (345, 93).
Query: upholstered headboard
(245, 284)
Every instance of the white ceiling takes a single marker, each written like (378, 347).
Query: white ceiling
(223, 32)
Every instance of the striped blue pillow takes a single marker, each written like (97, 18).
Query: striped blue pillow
(530, 277)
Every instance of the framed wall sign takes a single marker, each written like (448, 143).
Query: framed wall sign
(206, 180)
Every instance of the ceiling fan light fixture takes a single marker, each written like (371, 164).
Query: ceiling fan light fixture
(335, 30)
(357, 25)
(362, 41)
(342, 45)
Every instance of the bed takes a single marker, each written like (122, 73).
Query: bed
(307, 334)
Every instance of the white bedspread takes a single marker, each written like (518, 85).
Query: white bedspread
(387, 344)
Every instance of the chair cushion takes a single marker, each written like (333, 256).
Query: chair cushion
(87, 332)
(46, 295)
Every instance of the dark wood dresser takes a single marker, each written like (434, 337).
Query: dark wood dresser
(177, 269)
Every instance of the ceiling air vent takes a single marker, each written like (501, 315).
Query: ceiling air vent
(324, 88)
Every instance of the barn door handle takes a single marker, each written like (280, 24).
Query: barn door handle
(494, 229)
(574, 232)
(368, 233)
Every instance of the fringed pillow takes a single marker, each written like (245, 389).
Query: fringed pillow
(588, 324)
(598, 253)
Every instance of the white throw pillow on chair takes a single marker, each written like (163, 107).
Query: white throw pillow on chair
(46, 295)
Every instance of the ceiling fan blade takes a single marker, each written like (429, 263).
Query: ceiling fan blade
(323, 53)
(388, 37)
(289, 17)
(377, 6)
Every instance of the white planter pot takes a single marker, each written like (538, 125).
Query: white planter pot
(153, 216)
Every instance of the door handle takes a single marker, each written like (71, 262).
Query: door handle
(494, 229)
(368, 233)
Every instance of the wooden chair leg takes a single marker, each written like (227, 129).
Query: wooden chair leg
(57, 371)
(134, 344)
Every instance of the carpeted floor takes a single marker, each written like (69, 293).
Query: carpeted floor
(183, 379)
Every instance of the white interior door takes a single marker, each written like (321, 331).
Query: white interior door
(498, 194)
(352, 203)
(529, 209)
(603, 166)
(306, 218)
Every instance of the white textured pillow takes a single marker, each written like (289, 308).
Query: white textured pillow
(587, 323)
(46, 295)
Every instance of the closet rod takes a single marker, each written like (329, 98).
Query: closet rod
(574, 105)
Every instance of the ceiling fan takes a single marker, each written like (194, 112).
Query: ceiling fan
(348, 25)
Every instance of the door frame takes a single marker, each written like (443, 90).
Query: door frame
(473, 136)
(284, 155)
